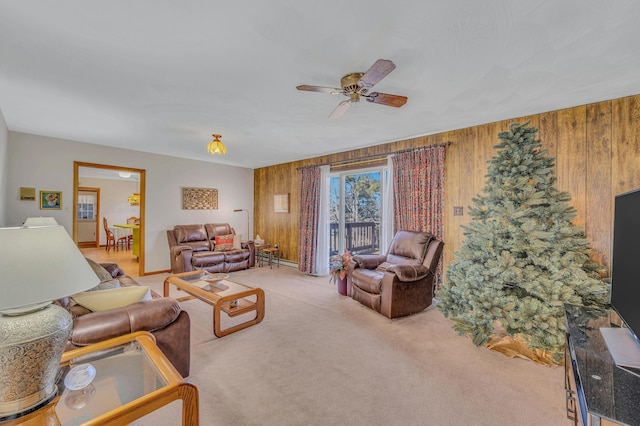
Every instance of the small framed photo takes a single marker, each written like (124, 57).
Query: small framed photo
(50, 200)
(281, 203)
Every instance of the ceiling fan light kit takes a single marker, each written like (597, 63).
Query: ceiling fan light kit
(216, 146)
(357, 85)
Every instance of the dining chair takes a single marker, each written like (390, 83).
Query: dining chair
(111, 239)
(133, 220)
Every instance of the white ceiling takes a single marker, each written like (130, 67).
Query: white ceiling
(162, 76)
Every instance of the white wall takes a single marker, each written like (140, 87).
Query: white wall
(4, 170)
(47, 164)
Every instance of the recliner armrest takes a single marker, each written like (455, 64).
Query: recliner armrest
(369, 261)
(408, 272)
(113, 269)
(180, 258)
(149, 315)
(177, 250)
(249, 245)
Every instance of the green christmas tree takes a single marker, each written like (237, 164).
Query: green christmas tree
(522, 258)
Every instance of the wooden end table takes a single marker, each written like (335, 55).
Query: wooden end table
(259, 253)
(225, 296)
(133, 378)
(272, 252)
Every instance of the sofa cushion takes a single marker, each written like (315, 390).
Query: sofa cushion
(203, 259)
(409, 244)
(189, 233)
(104, 300)
(367, 279)
(237, 242)
(232, 256)
(214, 229)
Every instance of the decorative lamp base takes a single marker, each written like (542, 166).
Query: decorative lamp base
(31, 345)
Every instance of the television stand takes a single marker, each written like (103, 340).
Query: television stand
(597, 391)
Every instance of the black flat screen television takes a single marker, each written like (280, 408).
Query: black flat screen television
(624, 344)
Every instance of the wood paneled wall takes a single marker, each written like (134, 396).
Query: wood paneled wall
(597, 151)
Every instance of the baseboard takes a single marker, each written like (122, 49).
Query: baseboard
(88, 244)
(288, 263)
(157, 272)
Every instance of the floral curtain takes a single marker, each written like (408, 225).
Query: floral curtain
(309, 218)
(419, 192)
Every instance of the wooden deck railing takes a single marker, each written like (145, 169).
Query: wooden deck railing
(361, 237)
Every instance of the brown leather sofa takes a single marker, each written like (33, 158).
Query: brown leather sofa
(400, 282)
(162, 316)
(193, 247)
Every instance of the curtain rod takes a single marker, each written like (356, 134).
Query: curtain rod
(375, 157)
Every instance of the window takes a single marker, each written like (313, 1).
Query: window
(86, 207)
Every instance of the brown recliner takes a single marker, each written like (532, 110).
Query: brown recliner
(401, 282)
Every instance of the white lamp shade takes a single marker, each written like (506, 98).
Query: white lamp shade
(40, 264)
(40, 221)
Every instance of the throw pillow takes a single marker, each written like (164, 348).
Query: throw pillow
(102, 273)
(104, 300)
(107, 285)
(224, 242)
(106, 280)
(237, 245)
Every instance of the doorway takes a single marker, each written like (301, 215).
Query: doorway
(127, 203)
(355, 212)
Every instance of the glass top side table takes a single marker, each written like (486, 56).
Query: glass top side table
(132, 379)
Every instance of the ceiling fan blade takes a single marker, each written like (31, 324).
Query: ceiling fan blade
(320, 89)
(340, 109)
(377, 72)
(386, 99)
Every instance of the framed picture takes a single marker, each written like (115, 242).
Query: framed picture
(281, 203)
(50, 200)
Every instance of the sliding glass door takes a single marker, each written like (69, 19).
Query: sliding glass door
(355, 211)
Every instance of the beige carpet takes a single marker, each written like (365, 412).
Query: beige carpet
(319, 358)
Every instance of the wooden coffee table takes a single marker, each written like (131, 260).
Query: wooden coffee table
(227, 296)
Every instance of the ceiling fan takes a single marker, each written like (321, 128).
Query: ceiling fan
(358, 85)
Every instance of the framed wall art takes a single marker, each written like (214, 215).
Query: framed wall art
(50, 200)
(199, 199)
(281, 203)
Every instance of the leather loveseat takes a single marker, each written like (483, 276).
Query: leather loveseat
(162, 316)
(400, 282)
(194, 247)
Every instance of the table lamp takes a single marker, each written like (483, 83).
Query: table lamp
(40, 263)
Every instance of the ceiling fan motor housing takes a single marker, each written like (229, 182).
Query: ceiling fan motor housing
(351, 88)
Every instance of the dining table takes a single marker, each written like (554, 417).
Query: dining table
(124, 230)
